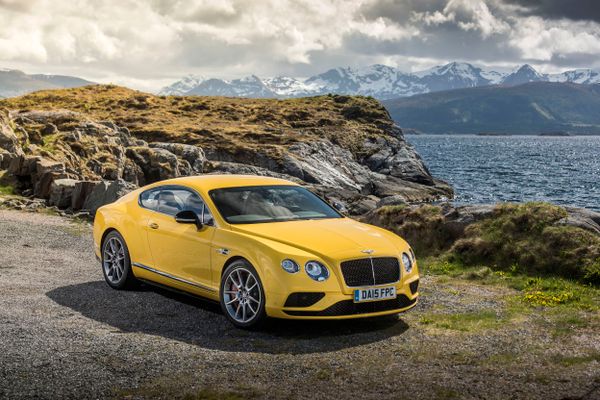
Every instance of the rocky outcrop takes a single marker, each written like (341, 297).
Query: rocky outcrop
(446, 223)
(344, 148)
(529, 238)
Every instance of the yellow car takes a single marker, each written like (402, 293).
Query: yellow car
(260, 246)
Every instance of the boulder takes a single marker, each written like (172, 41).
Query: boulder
(394, 200)
(156, 163)
(393, 156)
(325, 163)
(194, 155)
(8, 140)
(81, 192)
(105, 192)
(23, 166)
(49, 129)
(46, 172)
(60, 192)
(583, 218)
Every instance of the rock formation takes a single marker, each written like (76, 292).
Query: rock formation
(346, 149)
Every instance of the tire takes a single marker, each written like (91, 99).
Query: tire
(244, 308)
(118, 274)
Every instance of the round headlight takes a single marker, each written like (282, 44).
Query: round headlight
(317, 271)
(290, 266)
(407, 262)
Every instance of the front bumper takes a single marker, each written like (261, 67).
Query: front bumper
(342, 306)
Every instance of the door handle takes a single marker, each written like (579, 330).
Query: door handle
(153, 225)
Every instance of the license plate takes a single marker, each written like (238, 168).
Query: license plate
(374, 294)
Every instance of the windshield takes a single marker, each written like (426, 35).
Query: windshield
(254, 204)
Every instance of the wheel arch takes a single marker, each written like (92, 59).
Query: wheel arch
(233, 259)
(105, 234)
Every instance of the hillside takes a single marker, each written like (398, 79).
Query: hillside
(346, 148)
(530, 108)
(15, 83)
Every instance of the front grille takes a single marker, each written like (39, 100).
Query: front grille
(348, 307)
(371, 271)
(303, 299)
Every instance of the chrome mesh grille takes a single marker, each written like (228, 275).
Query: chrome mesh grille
(371, 271)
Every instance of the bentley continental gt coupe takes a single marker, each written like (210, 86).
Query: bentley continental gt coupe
(262, 247)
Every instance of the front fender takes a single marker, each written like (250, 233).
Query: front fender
(266, 256)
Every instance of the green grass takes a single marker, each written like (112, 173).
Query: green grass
(7, 184)
(569, 361)
(6, 190)
(465, 322)
(533, 291)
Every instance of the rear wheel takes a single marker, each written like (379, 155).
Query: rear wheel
(116, 264)
(242, 295)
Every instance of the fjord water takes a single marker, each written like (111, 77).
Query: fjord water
(490, 169)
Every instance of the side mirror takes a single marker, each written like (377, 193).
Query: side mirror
(188, 217)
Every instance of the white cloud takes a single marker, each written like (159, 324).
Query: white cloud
(152, 40)
(542, 40)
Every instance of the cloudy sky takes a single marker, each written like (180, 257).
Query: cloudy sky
(146, 44)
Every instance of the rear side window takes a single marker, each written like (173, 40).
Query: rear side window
(149, 199)
(171, 200)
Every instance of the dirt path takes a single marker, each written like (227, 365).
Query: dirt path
(65, 334)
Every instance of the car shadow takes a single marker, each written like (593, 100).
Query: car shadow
(155, 311)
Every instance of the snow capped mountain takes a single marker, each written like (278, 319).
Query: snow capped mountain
(182, 86)
(380, 81)
(250, 86)
(453, 76)
(523, 74)
(582, 76)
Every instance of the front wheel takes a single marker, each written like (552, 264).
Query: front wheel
(242, 295)
(116, 264)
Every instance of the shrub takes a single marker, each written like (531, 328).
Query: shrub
(527, 239)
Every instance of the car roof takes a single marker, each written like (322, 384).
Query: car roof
(206, 183)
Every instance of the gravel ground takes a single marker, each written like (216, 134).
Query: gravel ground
(65, 334)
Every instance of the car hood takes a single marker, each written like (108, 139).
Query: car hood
(335, 237)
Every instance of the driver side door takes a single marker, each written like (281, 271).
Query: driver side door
(181, 250)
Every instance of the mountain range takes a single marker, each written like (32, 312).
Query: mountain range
(15, 83)
(380, 81)
(528, 108)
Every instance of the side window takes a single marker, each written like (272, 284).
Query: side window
(171, 200)
(149, 199)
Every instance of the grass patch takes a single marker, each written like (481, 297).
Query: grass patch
(465, 322)
(7, 185)
(569, 361)
(539, 291)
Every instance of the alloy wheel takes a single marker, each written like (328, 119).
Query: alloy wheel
(242, 295)
(113, 260)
